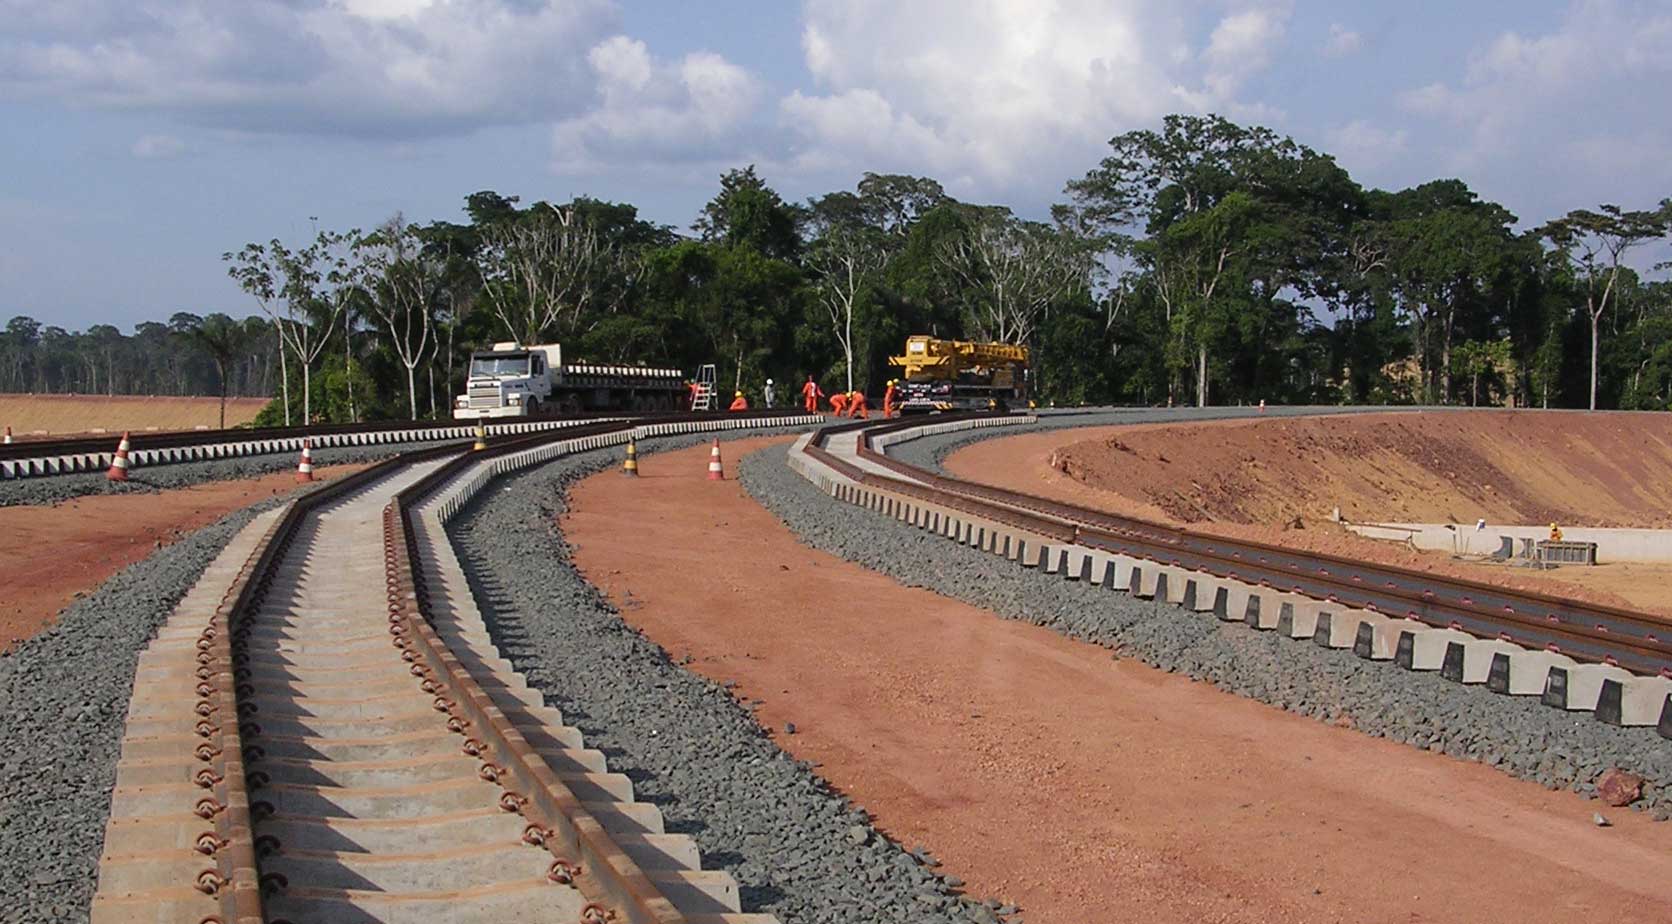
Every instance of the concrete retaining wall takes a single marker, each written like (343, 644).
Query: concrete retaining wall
(1613, 545)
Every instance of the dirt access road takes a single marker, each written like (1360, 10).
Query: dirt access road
(1080, 787)
(49, 555)
(1250, 479)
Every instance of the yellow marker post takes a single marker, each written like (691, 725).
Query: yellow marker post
(631, 467)
(481, 435)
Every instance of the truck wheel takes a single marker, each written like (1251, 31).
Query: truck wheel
(532, 408)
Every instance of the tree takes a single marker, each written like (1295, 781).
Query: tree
(1596, 243)
(846, 261)
(1446, 248)
(286, 285)
(1190, 260)
(222, 338)
(1017, 269)
(404, 285)
(748, 213)
(538, 271)
(1219, 183)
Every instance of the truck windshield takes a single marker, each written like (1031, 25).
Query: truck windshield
(499, 365)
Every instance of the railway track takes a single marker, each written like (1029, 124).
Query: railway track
(1615, 662)
(324, 731)
(34, 458)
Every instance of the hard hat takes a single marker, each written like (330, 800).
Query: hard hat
(739, 395)
(1552, 526)
(769, 381)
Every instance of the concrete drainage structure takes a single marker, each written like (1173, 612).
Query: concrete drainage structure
(1571, 656)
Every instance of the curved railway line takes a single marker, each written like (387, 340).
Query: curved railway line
(29, 457)
(324, 731)
(1575, 655)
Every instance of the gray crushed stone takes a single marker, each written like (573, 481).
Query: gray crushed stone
(63, 704)
(1516, 734)
(54, 489)
(797, 849)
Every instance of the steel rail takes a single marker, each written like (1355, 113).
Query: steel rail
(26, 447)
(231, 802)
(1588, 632)
(583, 853)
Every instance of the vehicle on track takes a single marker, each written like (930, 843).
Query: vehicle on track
(512, 380)
(960, 375)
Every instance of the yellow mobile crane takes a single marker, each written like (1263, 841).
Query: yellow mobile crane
(945, 375)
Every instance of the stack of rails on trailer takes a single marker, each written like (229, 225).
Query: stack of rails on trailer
(512, 380)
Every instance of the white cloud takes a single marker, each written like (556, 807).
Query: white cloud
(1557, 93)
(405, 68)
(158, 147)
(1362, 145)
(1013, 92)
(1342, 42)
(651, 111)
(1241, 47)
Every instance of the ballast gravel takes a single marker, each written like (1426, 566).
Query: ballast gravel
(1516, 734)
(63, 704)
(797, 849)
(44, 490)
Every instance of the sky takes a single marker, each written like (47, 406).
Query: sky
(144, 138)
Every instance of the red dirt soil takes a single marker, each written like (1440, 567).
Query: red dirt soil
(67, 415)
(51, 555)
(1084, 788)
(1427, 467)
(1250, 479)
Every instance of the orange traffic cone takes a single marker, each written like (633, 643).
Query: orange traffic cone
(715, 471)
(119, 465)
(304, 469)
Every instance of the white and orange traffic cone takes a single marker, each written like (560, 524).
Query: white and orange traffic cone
(716, 472)
(1262, 405)
(304, 469)
(8, 436)
(119, 465)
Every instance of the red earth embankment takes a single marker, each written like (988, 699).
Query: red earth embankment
(1450, 466)
(1277, 480)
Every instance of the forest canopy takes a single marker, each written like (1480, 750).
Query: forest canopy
(1200, 261)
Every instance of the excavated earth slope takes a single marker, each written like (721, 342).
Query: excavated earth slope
(1276, 480)
(1437, 466)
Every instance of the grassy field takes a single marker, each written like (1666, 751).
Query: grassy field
(65, 415)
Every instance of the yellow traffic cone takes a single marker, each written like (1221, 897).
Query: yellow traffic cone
(631, 467)
(481, 436)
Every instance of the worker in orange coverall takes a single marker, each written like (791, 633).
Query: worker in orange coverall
(810, 395)
(838, 404)
(888, 399)
(739, 403)
(691, 405)
(856, 406)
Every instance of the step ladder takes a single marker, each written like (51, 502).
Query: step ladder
(704, 400)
